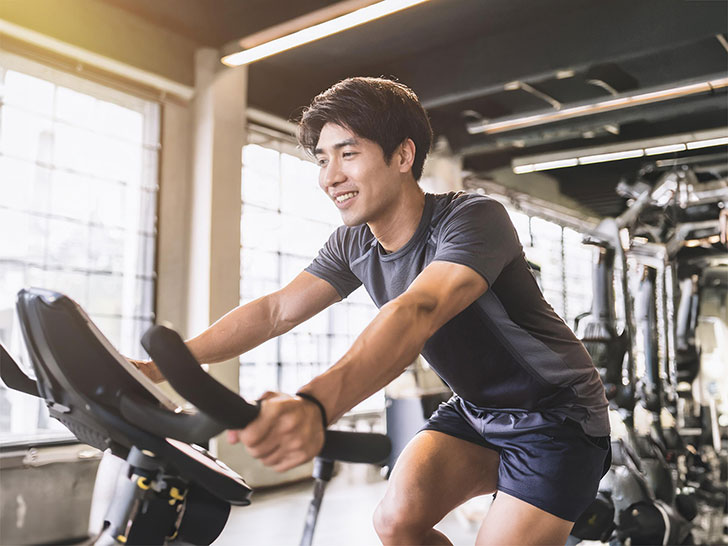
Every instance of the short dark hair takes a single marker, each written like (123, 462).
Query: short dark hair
(378, 109)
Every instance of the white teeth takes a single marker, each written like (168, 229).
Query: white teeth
(342, 198)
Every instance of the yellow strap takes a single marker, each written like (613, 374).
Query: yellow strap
(121, 538)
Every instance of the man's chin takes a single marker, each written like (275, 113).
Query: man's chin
(351, 221)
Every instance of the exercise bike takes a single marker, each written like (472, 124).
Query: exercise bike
(650, 493)
(174, 492)
(635, 502)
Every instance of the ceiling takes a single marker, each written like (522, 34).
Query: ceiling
(459, 56)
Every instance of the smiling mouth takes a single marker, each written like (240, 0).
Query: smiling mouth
(346, 196)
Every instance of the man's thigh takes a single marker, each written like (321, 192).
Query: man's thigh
(437, 472)
(511, 521)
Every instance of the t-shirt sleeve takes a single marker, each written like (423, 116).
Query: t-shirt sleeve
(332, 264)
(480, 235)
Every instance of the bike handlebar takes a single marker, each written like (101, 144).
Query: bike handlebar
(221, 409)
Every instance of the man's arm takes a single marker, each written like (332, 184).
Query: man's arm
(284, 435)
(249, 325)
(396, 336)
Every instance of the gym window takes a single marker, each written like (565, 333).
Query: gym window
(78, 192)
(286, 219)
(565, 263)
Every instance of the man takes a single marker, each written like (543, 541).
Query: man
(529, 415)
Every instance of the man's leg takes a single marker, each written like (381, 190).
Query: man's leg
(511, 521)
(435, 473)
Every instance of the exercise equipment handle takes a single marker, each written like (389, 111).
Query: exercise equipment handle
(355, 447)
(187, 377)
(13, 376)
(231, 411)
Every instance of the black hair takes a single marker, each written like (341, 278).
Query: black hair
(377, 109)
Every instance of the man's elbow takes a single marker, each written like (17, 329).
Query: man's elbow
(279, 316)
(417, 310)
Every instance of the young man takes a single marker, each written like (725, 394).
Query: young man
(529, 415)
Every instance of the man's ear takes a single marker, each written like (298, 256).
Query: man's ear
(406, 155)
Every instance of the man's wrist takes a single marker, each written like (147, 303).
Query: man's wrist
(311, 398)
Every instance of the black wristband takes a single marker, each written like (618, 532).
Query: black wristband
(312, 398)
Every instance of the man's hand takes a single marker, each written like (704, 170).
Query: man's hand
(148, 368)
(287, 432)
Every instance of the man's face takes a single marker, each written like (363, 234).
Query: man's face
(355, 176)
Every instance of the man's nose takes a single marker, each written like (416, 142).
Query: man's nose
(333, 174)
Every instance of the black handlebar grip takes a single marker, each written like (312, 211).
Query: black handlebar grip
(13, 376)
(355, 447)
(192, 429)
(185, 374)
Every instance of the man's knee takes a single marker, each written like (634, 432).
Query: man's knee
(384, 521)
(392, 521)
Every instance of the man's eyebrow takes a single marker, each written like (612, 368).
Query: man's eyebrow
(338, 145)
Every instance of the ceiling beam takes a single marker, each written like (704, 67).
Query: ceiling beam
(483, 64)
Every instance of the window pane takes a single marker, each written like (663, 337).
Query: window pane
(75, 108)
(260, 189)
(107, 203)
(302, 237)
(260, 229)
(546, 252)
(522, 224)
(263, 160)
(25, 135)
(16, 183)
(120, 122)
(29, 93)
(70, 196)
(72, 166)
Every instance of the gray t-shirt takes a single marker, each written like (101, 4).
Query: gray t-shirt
(508, 349)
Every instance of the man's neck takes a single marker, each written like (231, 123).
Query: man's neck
(398, 227)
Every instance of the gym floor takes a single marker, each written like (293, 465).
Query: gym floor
(276, 516)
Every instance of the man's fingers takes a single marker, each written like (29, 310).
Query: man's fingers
(265, 449)
(291, 461)
(255, 433)
(286, 433)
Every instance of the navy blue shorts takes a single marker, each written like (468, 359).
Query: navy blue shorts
(545, 460)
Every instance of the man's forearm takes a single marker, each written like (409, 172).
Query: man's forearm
(384, 349)
(240, 330)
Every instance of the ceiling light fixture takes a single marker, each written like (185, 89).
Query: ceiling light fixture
(626, 150)
(706, 143)
(321, 30)
(613, 156)
(659, 94)
(657, 150)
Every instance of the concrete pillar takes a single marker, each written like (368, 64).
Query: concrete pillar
(218, 122)
(173, 217)
(443, 170)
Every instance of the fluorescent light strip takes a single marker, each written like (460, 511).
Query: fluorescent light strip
(510, 124)
(614, 156)
(557, 164)
(327, 28)
(697, 144)
(657, 150)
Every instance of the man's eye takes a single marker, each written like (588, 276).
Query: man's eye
(349, 154)
(320, 162)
